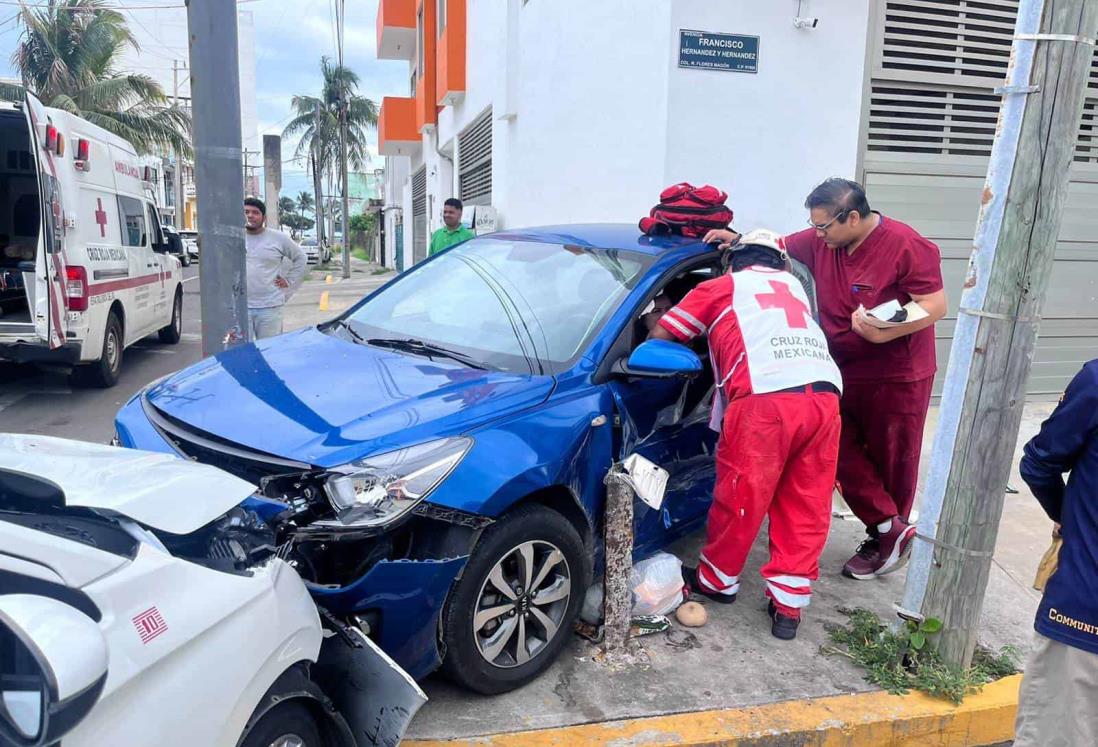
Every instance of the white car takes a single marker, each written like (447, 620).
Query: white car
(190, 243)
(141, 605)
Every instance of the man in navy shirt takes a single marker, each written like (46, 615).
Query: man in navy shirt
(1058, 702)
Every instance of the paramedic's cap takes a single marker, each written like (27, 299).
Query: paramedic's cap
(762, 237)
(256, 203)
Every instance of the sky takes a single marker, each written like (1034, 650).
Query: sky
(290, 38)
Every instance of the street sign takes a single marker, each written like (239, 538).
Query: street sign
(713, 51)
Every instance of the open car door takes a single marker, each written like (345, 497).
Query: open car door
(47, 303)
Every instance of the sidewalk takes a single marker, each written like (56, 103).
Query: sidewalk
(730, 682)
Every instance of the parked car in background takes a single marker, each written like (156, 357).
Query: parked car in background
(315, 252)
(448, 496)
(175, 245)
(140, 606)
(190, 242)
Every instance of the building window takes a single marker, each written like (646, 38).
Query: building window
(419, 43)
(441, 17)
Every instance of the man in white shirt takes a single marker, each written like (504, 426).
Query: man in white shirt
(269, 288)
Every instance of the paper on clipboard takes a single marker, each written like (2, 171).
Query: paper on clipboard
(892, 314)
(648, 480)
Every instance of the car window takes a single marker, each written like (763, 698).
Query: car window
(155, 235)
(133, 221)
(489, 298)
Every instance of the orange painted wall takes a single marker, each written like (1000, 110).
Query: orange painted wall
(426, 112)
(397, 121)
(451, 52)
(401, 13)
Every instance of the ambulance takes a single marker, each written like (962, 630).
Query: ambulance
(84, 266)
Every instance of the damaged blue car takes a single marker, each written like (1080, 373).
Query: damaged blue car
(432, 460)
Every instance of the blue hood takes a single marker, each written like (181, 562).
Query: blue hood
(319, 399)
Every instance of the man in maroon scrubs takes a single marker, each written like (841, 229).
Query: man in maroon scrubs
(862, 258)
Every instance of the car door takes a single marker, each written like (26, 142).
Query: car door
(163, 264)
(49, 264)
(667, 422)
(144, 270)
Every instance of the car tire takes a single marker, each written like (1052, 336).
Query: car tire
(103, 374)
(286, 725)
(482, 649)
(185, 259)
(170, 335)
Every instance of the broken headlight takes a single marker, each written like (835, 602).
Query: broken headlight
(379, 490)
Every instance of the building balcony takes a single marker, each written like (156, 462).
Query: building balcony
(450, 71)
(396, 30)
(397, 131)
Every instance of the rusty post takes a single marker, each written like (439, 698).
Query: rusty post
(618, 554)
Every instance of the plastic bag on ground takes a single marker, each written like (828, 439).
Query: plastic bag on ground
(657, 585)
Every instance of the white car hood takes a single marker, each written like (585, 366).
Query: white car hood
(161, 491)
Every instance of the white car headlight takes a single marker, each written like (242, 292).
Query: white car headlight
(379, 490)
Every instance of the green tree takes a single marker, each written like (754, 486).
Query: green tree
(68, 54)
(297, 223)
(305, 203)
(286, 206)
(319, 135)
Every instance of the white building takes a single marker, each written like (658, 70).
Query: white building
(164, 55)
(562, 111)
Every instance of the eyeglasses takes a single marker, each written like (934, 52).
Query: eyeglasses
(824, 226)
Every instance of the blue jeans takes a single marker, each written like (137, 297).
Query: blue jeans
(264, 322)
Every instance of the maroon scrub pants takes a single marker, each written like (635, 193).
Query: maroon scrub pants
(879, 449)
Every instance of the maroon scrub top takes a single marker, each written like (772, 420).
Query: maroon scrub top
(893, 263)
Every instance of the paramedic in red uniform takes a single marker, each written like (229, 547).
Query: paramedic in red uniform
(862, 258)
(777, 409)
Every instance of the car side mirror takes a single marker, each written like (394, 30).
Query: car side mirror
(52, 671)
(661, 359)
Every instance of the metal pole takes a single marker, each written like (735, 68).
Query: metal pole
(346, 193)
(272, 178)
(178, 185)
(981, 408)
(215, 101)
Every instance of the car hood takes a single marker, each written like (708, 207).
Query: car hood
(158, 490)
(319, 399)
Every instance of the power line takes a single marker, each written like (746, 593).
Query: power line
(45, 6)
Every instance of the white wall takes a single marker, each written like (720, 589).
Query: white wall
(768, 138)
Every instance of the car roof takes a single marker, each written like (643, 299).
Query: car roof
(601, 236)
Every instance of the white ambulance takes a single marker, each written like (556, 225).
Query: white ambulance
(84, 268)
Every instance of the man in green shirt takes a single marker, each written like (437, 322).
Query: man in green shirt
(451, 233)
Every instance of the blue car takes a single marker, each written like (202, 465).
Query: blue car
(432, 461)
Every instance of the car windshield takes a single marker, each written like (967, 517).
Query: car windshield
(508, 305)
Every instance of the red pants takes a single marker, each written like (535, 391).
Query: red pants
(880, 447)
(776, 456)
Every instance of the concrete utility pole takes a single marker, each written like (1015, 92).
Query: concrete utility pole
(272, 177)
(343, 104)
(1023, 201)
(617, 598)
(178, 182)
(215, 101)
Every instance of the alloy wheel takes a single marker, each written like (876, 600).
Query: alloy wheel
(521, 604)
(289, 740)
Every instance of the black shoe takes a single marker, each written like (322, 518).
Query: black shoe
(783, 626)
(690, 576)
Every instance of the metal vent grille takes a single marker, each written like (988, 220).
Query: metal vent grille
(937, 65)
(475, 173)
(419, 215)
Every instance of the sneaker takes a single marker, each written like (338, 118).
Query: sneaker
(866, 560)
(895, 546)
(690, 576)
(782, 626)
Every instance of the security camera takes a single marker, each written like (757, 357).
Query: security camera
(805, 23)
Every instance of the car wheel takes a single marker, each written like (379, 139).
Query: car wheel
(170, 335)
(514, 607)
(185, 259)
(104, 372)
(286, 725)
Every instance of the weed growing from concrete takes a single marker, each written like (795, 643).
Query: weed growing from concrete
(901, 661)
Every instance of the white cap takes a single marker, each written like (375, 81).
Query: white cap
(762, 237)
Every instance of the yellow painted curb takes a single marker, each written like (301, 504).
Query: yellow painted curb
(323, 301)
(328, 279)
(864, 720)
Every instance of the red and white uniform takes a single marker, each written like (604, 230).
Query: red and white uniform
(778, 448)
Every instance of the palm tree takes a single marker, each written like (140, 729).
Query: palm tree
(67, 55)
(316, 121)
(306, 203)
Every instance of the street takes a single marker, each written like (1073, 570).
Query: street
(43, 402)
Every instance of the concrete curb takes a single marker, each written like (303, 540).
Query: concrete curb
(864, 720)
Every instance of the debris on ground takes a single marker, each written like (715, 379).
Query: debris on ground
(692, 615)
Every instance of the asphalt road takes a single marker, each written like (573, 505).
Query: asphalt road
(44, 402)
